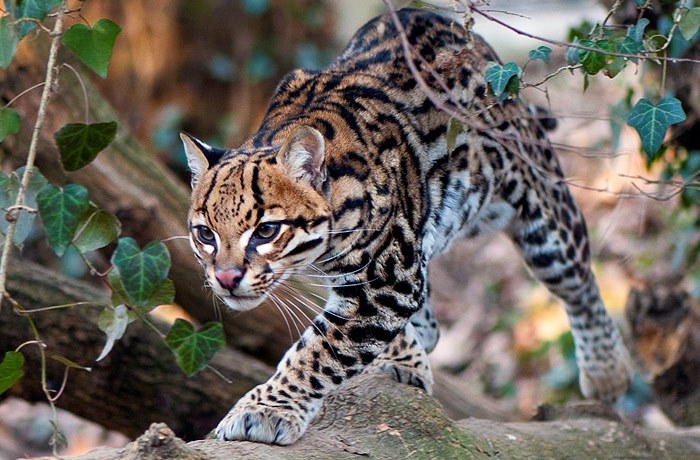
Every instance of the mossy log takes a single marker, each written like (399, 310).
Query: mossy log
(373, 417)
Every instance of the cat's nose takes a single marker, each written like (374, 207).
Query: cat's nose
(229, 279)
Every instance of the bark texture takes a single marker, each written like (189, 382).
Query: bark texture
(373, 417)
(136, 384)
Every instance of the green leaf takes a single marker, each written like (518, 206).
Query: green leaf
(690, 23)
(96, 230)
(498, 76)
(93, 45)
(636, 32)
(652, 121)
(113, 322)
(35, 9)
(513, 86)
(61, 211)
(165, 294)
(68, 363)
(593, 61)
(8, 41)
(193, 350)
(573, 53)
(9, 187)
(614, 66)
(141, 272)
(9, 122)
(79, 143)
(542, 52)
(11, 370)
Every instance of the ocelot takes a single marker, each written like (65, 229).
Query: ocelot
(356, 178)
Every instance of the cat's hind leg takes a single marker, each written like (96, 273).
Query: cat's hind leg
(551, 235)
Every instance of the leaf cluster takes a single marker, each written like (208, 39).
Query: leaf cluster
(138, 277)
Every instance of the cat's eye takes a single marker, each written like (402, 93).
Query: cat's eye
(206, 235)
(265, 232)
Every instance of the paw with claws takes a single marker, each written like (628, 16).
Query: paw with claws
(251, 419)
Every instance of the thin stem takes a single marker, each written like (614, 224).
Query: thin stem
(44, 384)
(23, 311)
(85, 94)
(31, 156)
(662, 88)
(23, 93)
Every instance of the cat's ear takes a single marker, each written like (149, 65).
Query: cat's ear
(303, 156)
(200, 156)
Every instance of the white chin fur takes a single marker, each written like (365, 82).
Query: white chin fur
(242, 304)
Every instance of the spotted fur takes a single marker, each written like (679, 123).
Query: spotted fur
(350, 179)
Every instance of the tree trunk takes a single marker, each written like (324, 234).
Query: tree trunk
(374, 417)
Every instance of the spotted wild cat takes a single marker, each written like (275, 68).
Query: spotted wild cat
(350, 179)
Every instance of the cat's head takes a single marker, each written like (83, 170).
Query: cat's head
(257, 216)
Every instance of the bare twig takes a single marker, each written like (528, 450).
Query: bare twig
(31, 156)
(470, 6)
(85, 94)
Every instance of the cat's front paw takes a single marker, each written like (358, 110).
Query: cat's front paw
(250, 421)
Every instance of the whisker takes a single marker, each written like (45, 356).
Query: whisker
(351, 230)
(275, 301)
(313, 324)
(308, 303)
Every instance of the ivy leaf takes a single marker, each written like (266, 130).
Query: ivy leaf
(61, 210)
(11, 370)
(96, 230)
(9, 187)
(79, 143)
(593, 61)
(572, 53)
(68, 363)
(141, 272)
(8, 41)
(193, 349)
(93, 45)
(636, 32)
(35, 9)
(614, 66)
(542, 52)
(498, 76)
(690, 23)
(652, 121)
(9, 121)
(113, 322)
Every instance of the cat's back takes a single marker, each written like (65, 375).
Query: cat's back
(372, 74)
